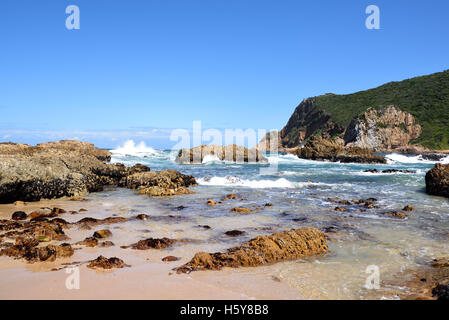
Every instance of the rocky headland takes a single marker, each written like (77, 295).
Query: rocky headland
(390, 118)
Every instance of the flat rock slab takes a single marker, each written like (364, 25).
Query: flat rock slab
(281, 246)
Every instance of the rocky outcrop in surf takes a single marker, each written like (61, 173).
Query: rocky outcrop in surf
(437, 180)
(281, 246)
(72, 168)
(159, 183)
(231, 153)
(320, 149)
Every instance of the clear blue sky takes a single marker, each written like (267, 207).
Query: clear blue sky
(135, 65)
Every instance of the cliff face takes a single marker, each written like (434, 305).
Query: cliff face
(304, 122)
(419, 119)
(382, 130)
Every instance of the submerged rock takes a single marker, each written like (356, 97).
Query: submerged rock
(232, 153)
(396, 214)
(102, 234)
(234, 233)
(106, 244)
(281, 246)
(29, 251)
(437, 180)
(142, 216)
(106, 263)
(388, 171)
(153, 243)
(230, 196)
(242, 210)
(19, 215)
(170, 259)
(89, 242)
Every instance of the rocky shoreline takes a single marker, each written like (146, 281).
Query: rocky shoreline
(72, 169)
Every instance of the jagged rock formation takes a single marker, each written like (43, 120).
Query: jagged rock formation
(232, 153)
(305, 121)
(410, 115)
(437, 180)
(281, 246)
(320, 149)
(382, 130)
(71, 168)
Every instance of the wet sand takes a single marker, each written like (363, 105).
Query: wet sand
(340, 274)
(146, 278)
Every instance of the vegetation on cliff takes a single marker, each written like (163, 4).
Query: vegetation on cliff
(425, 97)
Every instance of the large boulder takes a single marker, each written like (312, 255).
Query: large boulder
(281, 246)
(231, 153)
(70, 169)
(437, 180)
(159, 183)
(321, 149)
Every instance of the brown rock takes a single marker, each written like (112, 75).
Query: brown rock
(106, 263)
(396, 214)
(106, 244)
(142, 216)
(234, 233)
(19, 215)
(241, 210)
(170, 258)
(211, 202)
(407, 208)
(102, 234)
(232, 153)
(153, 243)
(89, 242)
(281, 246)
(340, 209)
(230, 196)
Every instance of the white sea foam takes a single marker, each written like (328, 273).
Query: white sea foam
(210, 158)
(262, 184)
(395, 158)
(130, 148)
(237, 182)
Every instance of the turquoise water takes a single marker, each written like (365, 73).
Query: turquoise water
(299, 191)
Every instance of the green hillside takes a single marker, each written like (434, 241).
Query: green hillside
(426, 97)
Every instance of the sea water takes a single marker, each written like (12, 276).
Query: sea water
(299, 191)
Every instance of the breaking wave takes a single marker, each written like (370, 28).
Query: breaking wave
(130, 148)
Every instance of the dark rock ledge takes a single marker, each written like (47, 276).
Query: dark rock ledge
(72, 168)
